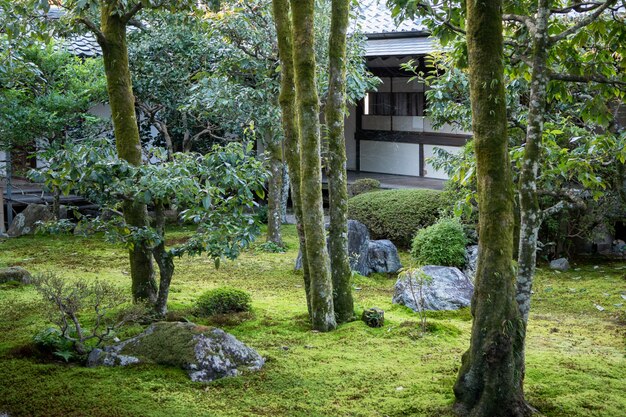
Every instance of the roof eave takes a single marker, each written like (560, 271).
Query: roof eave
(397, 35)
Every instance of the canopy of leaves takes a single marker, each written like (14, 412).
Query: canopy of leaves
(215, 191)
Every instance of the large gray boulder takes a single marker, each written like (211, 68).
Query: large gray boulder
(15, 273)
(382, 256)
(358, 238)
(25, 222)
(471, 261)
(446, 289)
(561, 264)
(205, 353)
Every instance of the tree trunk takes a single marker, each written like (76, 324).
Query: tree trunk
(274, 193)
(287, 101)
(487, 383)
(121, 100)
(337, 175)
(165, 262)
(284, 193)
(530, 212)
(307, 104)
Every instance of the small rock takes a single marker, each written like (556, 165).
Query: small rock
(374, 317)
(561, 264)
(399, 388)
(285, 347)
(599, 307)
(15, 273)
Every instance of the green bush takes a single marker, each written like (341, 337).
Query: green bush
(363, 185)
(443, 243)
(397, 214)
(222, 301)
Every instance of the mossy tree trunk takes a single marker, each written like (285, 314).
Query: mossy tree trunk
(274, 192)
(287, 101)
(112, 39)
(487, 384)
(307, 105)
(336, 169)
(165, 261)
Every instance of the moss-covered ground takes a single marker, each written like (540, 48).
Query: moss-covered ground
(576, 358)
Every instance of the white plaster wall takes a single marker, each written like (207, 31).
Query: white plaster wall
(446, 128)
(376, 122)
(349, 131)
(431, 172)
(408, 123)
(390, 157)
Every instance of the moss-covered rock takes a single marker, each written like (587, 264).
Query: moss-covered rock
(15, 274)
(205, 353)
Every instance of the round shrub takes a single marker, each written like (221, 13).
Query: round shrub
(222, 301)
(397, 214)
(364, 185)
(443, 244)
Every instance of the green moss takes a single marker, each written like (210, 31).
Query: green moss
(575, 357)
(169, 344)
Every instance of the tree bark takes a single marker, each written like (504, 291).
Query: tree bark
(530, 211)
(165, 262)
(274, 193)
(336, 169)
(121, 99)
(487, 383)
(307, 104)
(287, 101)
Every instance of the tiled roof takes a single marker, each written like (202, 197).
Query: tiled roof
(373, 17)
(85, 46)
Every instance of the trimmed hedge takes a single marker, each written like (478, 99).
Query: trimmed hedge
(398, 214)
(223, 300)
(442, 244)
(363, 185)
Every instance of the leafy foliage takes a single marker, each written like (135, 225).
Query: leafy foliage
(397, 214)
(443, 244)
(223, 301)
(215, 191)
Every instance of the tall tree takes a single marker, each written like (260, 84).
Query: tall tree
(287, 101)
(111, 36)
(336, 169)
(307, 105)
(487, 383)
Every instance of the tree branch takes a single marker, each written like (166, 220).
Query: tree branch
(93, 28)
(132, 12)
(582, 22)
(525, 20)
(590, 78)
(579, 7)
